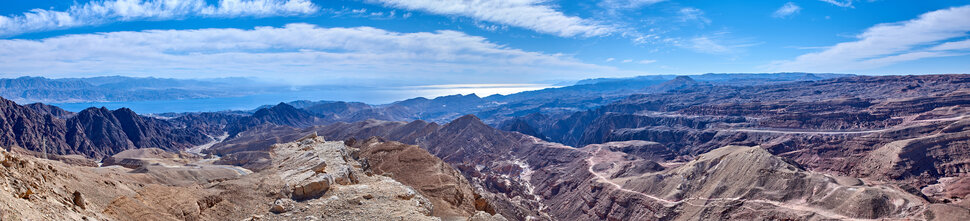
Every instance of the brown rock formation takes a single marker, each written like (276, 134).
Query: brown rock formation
(448, 190)
(39, 189)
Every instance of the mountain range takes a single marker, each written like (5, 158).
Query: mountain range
(119, 88)
(719, 146)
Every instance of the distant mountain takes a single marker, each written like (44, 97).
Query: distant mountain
(722, 78)
(533, 111)
(281, 114)
(118, 88)
(551, 102)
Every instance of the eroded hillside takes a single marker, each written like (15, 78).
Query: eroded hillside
(309, 179)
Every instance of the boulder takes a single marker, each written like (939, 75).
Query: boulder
(281, 206)
(312, 189)
(78, 200)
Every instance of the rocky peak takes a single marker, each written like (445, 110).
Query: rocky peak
(280, 109)
(680, 82)
(49, 109)
(282, 114)
(466, 121)
(99, 132)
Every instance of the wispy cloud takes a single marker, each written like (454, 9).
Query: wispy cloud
(627, 4)
(610, 59)
(536, 15)
(299, 52)
(693, 14)
(705, 44)
(952, 46)
(840, 3)
(930, 35)
(362, 13)
(786, 10)
(102, 12)
(646, 61)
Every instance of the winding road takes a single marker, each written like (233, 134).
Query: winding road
(669, 203)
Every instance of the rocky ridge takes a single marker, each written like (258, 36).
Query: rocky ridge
(309, 179)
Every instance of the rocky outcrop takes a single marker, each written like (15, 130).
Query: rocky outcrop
(326, 174)
(448, 190)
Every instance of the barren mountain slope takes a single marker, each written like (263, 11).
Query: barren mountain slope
(309, 179)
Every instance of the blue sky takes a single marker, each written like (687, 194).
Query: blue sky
(407, 42)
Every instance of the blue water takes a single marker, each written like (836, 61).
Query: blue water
(366, 95)
(247, 102)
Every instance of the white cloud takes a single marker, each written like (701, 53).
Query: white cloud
(627, 4)
(627, 60)
(536, 15)
(929, 35)
(102, 12)
(300, 52)
(706, 45)
(646, 61)
(954, 46)
(360, 13)
(786, 10)
(610, 59)
(693, 14)
(842, 3)
(491, 27)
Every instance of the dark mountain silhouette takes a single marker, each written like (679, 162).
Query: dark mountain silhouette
(281, 114)
(94, 132)
(49, 109)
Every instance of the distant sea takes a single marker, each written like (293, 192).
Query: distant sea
(366, 95)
